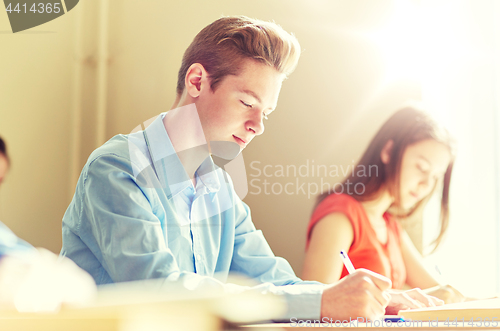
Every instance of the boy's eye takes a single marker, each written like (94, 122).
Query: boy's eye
(264, 115)
(246, 104)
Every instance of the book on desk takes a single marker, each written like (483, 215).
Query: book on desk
(487, 309)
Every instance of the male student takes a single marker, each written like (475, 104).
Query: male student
(152, 204)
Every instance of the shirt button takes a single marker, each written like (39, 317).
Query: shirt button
(199, 257)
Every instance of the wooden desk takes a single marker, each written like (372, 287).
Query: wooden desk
(288, 327)
(156, 316)
(149, 306)
(471, 315)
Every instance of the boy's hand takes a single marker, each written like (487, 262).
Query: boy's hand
(361, 294)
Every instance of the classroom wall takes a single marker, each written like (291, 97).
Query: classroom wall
(107, 66)
(36, 79)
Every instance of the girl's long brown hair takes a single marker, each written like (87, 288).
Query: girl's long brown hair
(3, 149)
(406, 127)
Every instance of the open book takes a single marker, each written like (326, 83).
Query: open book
(479, 310)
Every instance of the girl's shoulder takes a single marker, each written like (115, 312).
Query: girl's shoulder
(338, 203)
(339, 200)
(343, 204)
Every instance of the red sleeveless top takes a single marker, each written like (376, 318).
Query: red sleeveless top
(366, 251)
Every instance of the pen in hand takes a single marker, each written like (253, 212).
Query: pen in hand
(350, 268)
(347, 262)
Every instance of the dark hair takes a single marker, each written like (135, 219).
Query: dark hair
(406, 127)
(223, 45)
(3, 149)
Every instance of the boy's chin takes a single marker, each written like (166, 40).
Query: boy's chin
(226, 150)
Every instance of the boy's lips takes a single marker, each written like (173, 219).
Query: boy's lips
(240, 141)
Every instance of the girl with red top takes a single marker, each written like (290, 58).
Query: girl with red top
(410, 157)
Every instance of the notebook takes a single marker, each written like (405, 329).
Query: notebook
(470, 311)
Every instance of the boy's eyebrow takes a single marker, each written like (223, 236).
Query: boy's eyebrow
(253, 94)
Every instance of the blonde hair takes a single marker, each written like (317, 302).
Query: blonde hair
(223, 45)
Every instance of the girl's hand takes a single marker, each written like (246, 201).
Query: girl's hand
(411, 299)
(447, 293)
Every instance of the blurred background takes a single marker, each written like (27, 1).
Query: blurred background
(106, 66)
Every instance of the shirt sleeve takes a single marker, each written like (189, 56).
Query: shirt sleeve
(253, 257)
(119, 226)
(127, 238)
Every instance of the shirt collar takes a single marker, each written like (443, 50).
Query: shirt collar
(166, 162)
(207, 174)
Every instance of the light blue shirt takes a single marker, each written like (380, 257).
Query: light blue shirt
(136, 215)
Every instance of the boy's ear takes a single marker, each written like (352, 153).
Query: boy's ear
(196, 79)
(385, 154)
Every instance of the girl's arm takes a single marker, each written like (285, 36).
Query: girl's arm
(329, 236)
(418, 276)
